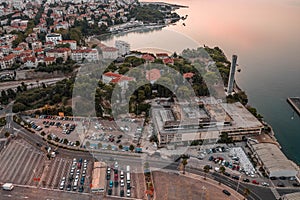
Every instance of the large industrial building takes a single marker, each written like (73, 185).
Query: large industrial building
(272, 160)
(180, 123)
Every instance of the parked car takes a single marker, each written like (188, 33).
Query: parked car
(128, 193)
(226, 174)
(122, 183)
(265, 184)
(236, 177)
(111, 183)
(280, 184)
(246, 180)
(296, 184)
(226, 192)
(122, 193)
(255, 182)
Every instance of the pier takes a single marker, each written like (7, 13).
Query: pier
(295, 103)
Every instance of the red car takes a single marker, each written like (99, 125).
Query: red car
(255, 182)
(116, 177)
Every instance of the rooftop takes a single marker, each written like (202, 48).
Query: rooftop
(272, 157)
(240, 115)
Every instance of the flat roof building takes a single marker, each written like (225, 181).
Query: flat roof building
(98, 177)
(180, 122)
(272, 159)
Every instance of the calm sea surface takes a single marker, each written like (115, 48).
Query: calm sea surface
(265, 34)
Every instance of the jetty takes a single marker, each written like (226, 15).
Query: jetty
(295, 103)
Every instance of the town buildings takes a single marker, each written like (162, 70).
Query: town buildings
(54, 37)
(123, 47)
(91, 55)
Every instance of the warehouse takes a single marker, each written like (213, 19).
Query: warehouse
(271, 158)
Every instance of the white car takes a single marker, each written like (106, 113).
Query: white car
(122, 174)
(116, 165)
(265, 184)
(128, 193)
(76, 178)
(122, 183)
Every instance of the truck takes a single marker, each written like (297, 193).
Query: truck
(128, 178)
(127, 168)
(8, 186)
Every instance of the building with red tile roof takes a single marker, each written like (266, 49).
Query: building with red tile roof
(148, 57)
(162, 55)
(7, 61)
(49, 60)
(168, 61)
(188, 75)
(121, 80)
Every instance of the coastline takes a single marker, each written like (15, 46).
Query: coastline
(271, 134)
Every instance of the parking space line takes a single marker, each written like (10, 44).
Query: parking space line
(19, 164)
(58, 174)
(21, 174)
(50, 176)
(29, 168)
(34, 169)
(15, 162)
(8, 162)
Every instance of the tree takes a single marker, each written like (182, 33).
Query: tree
(120, 146)
(77, 143)
(7, 134)
(206, 170)
(59, 60)
(49, 137)
(19, 107)
(184, 162)
(109, 147)
(87, 144)
(246, 192)
(99, 145)
(131, 147)
(66, 141)
(222, 169)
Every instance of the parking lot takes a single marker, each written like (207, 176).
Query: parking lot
(123, 181)
(109, 134)
(67, 174)
(237, 166)
(21, 163)
(24, 164)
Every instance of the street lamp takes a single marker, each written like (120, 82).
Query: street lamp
(237, 188)
(203, 191)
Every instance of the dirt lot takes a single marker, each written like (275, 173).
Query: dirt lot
(169, 186)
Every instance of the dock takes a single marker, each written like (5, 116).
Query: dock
(295, 103)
